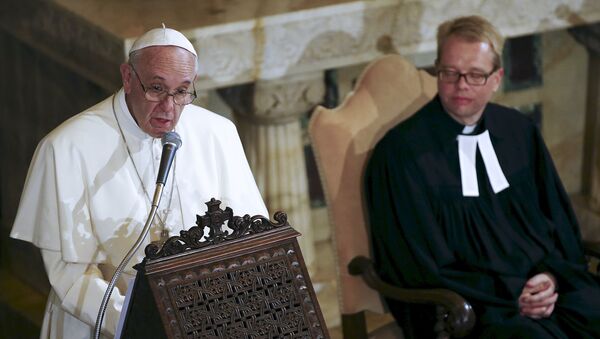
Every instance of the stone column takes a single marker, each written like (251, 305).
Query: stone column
(202, 98)
(268, 115)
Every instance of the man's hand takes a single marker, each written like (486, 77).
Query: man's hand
(538, 296)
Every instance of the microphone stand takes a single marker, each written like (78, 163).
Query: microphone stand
(171, 142)
(127, 258)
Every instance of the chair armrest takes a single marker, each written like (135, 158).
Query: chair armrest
(592, 249)
(461, 317)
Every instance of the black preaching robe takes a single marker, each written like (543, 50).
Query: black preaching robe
(425, 233)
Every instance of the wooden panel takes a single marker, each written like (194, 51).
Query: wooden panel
(63, 36)
(36, 94)
(251, 283)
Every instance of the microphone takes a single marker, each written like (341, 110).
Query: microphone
(171, 143)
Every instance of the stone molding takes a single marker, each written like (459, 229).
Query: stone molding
(275, 102)
(275, 46)
(287, 99)
(341, 35)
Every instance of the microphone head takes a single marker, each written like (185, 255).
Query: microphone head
(171, 138)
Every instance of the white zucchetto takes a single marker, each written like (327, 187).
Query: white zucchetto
(163, 37)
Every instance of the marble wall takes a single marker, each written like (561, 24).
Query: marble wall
(561, 95)
(343, 36)
(278, 46)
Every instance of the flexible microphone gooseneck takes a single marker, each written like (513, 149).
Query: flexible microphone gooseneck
(171, 142)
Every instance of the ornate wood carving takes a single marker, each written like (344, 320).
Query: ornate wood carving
(214, 219)
(250, 282)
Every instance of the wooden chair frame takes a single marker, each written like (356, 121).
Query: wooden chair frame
(389, 90)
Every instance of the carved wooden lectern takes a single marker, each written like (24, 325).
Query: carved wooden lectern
(248, 282)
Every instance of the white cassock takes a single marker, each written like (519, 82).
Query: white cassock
(84, 204)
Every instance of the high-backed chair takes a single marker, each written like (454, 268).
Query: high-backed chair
(388, 91)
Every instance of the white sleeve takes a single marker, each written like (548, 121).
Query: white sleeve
(53, 212)
(240, 191)
(81, 288)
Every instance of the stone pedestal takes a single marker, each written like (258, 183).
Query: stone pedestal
(268, 115)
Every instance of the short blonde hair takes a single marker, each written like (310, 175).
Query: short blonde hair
(471, 28)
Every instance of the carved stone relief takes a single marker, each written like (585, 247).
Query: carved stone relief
(341, 35)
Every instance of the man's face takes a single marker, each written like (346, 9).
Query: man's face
(465, 102)
(167, 67)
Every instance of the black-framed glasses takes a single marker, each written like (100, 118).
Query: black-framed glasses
(472, 78)
(157, 93)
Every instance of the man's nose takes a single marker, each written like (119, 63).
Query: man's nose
(462, 81)
(168, 103)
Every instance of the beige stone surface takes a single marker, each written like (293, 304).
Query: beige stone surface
(241, 41)
(562, 96)
(131, 18)
(563, 104)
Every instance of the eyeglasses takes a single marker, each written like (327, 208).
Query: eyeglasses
(472, 78)
(157, 93)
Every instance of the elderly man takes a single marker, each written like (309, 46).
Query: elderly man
(464, 195)
(91, 180)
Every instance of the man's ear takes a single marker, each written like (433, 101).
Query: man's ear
(498, 75)
(126, 77)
